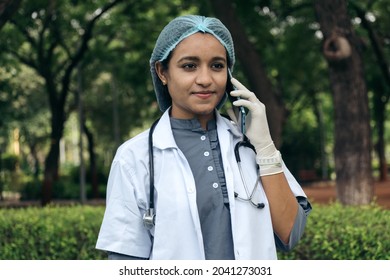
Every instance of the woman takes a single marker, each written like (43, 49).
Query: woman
(207, 205)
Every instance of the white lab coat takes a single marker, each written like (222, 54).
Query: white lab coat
(177, 232)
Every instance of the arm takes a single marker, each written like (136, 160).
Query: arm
(304, 209)
(122, 230)
(283, 204)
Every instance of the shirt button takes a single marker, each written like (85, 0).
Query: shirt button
(215, 185)
(206, 154)
(190, 189)
(210, 168)
(203, 138)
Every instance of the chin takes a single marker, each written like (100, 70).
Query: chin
(205, 111)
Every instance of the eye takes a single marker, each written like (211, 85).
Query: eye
(189, 66)
(218, 66)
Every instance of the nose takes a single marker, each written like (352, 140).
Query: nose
(204, 77)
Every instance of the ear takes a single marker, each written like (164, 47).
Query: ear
(161, 72)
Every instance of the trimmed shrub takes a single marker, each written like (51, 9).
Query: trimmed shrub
(333, 232)
(50, 233)
(339, 232)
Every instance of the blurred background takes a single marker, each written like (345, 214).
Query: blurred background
(75, 84)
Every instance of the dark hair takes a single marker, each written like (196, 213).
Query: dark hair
(165, 62)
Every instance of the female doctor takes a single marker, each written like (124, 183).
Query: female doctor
(208, 204)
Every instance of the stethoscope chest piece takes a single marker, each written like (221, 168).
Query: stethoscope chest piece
(149, 218)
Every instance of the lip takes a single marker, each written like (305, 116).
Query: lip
(203, 94)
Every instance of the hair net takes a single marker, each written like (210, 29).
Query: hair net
(176, 31)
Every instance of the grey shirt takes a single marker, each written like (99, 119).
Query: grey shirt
(202, 151)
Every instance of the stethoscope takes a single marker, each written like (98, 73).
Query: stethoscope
(149, 217)
(245, 143)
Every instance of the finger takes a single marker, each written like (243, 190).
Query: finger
(237, 84)
(245, 94)
(245, 103)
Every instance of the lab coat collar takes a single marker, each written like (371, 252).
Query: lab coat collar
(163, 136)
(225, 124)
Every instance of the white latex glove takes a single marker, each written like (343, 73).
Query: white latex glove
(257, 130)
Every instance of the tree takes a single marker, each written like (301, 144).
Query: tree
(352, 151)
(52, 54)
(254, 69)
(379, 83)
(277, 50)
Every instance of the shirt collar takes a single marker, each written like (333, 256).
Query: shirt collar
(225, 124)
(192, 124)
(163, 136)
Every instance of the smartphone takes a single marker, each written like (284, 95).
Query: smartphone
(240, 111)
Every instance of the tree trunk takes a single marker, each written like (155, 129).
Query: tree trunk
(58, 99)
(34, 155)
(1, 177)
(253, 68)
(381, 90)
(321, 134)
(52, 159)
(380, 145)
(352, 151)
(92, 162)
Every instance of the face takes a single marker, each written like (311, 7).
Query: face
(196, 77)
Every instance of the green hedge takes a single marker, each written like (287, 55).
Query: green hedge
(50, 233)
(70, 233)
(339, 232)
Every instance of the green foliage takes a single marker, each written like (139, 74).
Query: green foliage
(9, 162)
(68, 187)
(306, 139)
(339, 232)
(10, 179)
(51, 233)
(333, 232)
(31, 189)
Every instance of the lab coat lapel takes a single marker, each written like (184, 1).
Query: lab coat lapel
(163, 139)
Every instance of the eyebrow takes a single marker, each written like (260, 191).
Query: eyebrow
(196, 58)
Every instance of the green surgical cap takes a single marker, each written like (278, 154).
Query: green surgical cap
(176, 31)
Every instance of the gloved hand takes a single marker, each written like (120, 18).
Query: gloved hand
(257, 130)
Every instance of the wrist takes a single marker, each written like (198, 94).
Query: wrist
(267, 149)
(271, 164)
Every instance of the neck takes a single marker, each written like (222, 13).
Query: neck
(203, 119)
